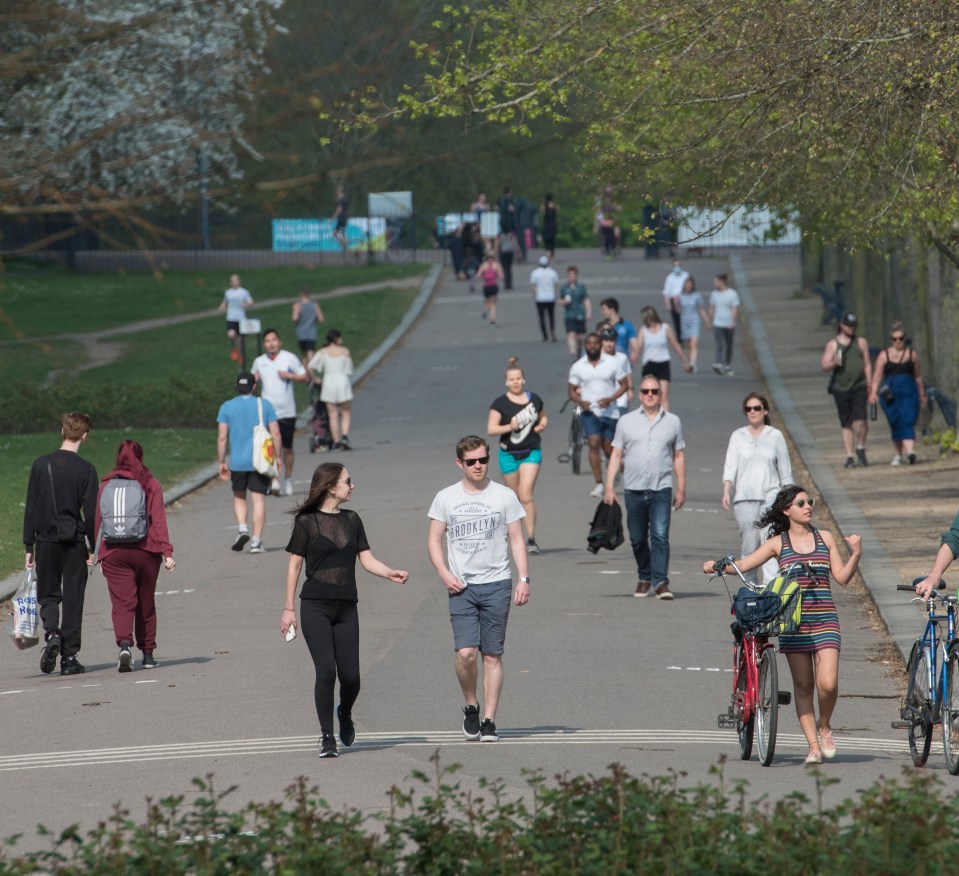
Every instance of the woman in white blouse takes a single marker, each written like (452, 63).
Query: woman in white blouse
(757, 467)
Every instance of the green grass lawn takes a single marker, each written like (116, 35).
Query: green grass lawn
(40, 303)
(163, 390)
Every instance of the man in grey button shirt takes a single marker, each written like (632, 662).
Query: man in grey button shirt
(650, 440)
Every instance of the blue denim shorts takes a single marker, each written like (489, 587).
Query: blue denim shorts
(479, 614)
(605, 427)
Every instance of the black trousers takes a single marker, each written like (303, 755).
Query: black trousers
(506, 260)
(547, 309)
(62, 580)
(331, 628)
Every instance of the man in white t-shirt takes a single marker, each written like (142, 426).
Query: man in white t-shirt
(236, 299)
(275, 371)
(482, 522)
(595, 383)
(544, 284)
(672, 289)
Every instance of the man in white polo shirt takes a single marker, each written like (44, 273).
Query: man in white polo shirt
(595, 382)
(275, 371)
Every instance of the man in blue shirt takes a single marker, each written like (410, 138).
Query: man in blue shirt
(235, 422)
(627, 341)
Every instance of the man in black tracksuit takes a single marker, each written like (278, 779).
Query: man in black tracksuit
(58, 537)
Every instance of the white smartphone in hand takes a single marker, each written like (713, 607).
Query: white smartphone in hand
(291, 632)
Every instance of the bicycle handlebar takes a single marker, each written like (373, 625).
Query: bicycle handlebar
(911, 588)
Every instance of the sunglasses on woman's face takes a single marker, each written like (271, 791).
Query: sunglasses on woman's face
(801, 503)
(749, 409)
(895, 338)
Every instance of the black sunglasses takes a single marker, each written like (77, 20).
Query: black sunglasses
(897, 337)
(649, 391)
(749, 408)
(479, 460)
(348, 482)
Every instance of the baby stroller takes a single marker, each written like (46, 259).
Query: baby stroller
(319, 423)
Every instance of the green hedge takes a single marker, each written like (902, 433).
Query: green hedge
(614, 824)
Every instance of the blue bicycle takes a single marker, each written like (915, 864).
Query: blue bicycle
(932, 695)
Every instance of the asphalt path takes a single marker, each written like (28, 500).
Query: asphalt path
(593, 675)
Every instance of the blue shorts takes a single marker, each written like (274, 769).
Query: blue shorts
(479, 614)
(605, 427)
(509, 464)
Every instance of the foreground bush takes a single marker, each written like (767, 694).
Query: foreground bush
(613, 824)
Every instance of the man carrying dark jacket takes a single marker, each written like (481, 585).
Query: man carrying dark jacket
(58, 537)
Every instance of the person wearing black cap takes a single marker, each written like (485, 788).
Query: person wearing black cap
(846, 356)
(235, 422)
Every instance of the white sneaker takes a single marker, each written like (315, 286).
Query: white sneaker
(598, 491)
(896, 460)
(287, 487)
(275, 486)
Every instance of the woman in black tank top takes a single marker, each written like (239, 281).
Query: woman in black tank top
(897, 381)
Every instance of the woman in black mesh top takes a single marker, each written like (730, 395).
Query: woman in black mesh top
(330, 539)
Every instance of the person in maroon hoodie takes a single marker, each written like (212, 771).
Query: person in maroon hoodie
(131, 570)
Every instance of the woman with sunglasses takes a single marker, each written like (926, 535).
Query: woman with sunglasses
(757, 467)
(813, 650)
(897, 382)
(330, 539)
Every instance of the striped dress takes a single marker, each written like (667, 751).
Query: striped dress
(819, 628)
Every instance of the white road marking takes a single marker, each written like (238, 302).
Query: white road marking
(423, 738)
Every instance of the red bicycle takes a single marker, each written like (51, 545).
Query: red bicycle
(754, 706)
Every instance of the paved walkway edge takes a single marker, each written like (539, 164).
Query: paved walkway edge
(898, 615)
(204, 475)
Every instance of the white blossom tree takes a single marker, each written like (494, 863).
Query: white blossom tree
(107, 106)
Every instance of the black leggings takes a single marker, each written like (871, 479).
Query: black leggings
(545, 308)
(331, 628)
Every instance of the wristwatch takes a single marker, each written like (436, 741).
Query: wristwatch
(524, 580)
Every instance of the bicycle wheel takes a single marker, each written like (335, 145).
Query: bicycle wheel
(950, 711)
(767, 707)
(744, 728)
(916, 709)
(575, 444)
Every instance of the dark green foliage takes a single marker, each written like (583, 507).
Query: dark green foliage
(577, 826)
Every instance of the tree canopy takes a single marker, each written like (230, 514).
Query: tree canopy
(842, 113)
(106, 104)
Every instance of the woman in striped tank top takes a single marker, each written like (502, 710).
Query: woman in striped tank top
(813, 650)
